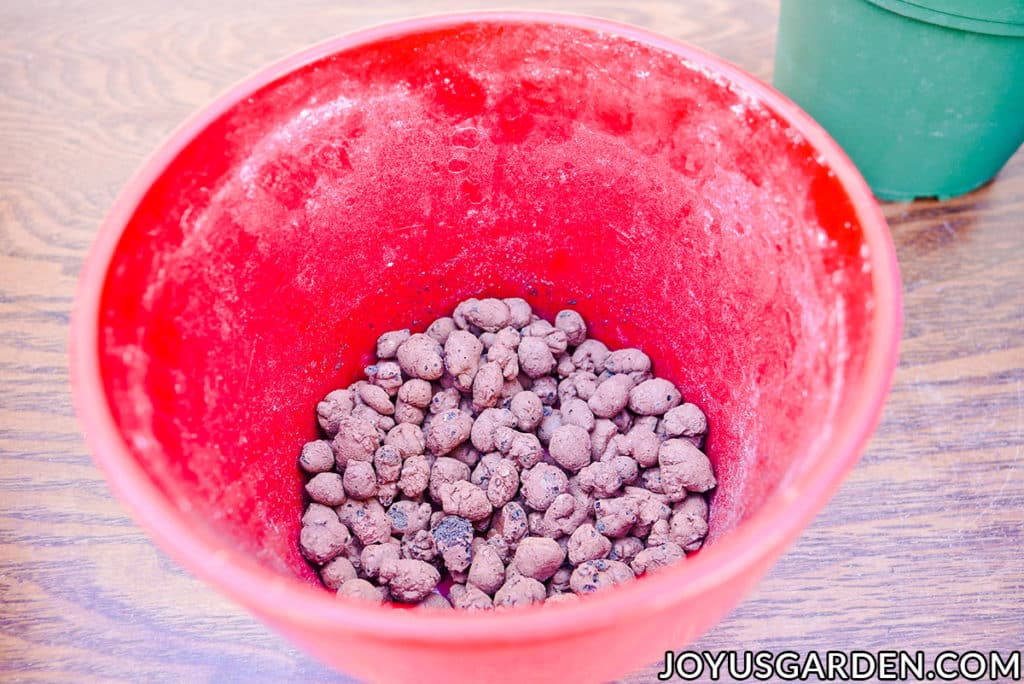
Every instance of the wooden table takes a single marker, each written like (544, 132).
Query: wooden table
(921, 548)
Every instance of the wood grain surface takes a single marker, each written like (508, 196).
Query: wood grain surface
(921, 548)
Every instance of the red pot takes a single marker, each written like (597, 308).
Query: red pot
(679, 204)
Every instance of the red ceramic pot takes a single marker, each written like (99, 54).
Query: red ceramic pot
(375, 180)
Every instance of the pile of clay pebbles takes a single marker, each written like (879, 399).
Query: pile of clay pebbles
(496, 460)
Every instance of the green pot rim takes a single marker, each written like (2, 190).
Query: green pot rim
(976, 24)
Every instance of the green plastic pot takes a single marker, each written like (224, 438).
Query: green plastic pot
(927, 97)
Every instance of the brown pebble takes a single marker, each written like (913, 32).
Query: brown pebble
(526, 450)
(650, 479)
(465, 453)
(367, 519)
(537, 526)
(488, 314)
(356, 440)
(660, 533)
(407, 413)
(336, 572)
(527, 409)
(652, 508)
(373, 555)
(481, 475)
(316, 457)
(571, 323)
(465, 500)
(359, 589)
(656, 557)
(654, 397)
(689, 522)
(419, 546)
(519, 591)
(546, 388)
(415, 476)
(601, 478)
(601, 436)
(559, 582)
(469, 597)
(435, 601)
(559, 599)
(445, 400)
(360, 481)
(487, 386)
(486, 424)
(326, 488)
(641, 530)
(684, 468)
(586, 543)
(420, 357)
(389, 342)
(575, 411)
(409, 517)
(504, 352)
(629, 360)
(625, 549)
(538, 327)
(504, 483)
(335, 406)
(440, 329)
(408, 439)
(323, 542)
(459, 315)
(686, 420)
(318, 514)
(519, 311)
(462, 353)
(623, 420)
(511, 523)
(564, 366)
(595, 575)
(551, 421)
(387, 464)
(446, 470)
(387, 375)
(538, 557)
(646, 423)
(507, 359)
(453, 537)
(643, 446)
(416, 392)
(487, 572)
(570, 447)
(447, 431)
(566, 513)
(387, 493)
(590, 356)
(541, 484)
(504, 548)
(381, 423)
(618, 445)
(410, 581)
(626, 467)
(584, 384)
(557, 342)
(611, 396)
(535, 357)
(616, 516)
(376, 398)
(503, 439)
